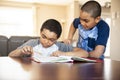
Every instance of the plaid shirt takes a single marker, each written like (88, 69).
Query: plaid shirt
(87, 38)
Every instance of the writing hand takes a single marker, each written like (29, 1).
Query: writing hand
(27, 50)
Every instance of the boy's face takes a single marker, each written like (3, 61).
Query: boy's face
(47, 38)
(87, 21)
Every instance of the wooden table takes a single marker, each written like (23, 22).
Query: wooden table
(25, 69)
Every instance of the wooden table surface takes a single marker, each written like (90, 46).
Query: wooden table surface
(26, 69)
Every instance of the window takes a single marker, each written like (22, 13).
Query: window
(15, 21)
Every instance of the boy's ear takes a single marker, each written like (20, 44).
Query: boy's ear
(97, 19)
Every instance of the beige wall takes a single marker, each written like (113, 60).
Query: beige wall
(52, 11)
(115, 31)
(73, 11)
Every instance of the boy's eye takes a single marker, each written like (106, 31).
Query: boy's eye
(52, 40)
(85, 20)
(44, 37)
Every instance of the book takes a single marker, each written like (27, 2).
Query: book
(82, 59)
(52, 59)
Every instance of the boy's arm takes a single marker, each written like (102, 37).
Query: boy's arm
(15, 53)
(71, 31)
(70, 34)
(26, 50)
(77, 52)
(99, 50)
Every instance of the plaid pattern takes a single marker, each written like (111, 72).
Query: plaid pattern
(84, 35)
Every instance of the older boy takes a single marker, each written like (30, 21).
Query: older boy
(93, 31)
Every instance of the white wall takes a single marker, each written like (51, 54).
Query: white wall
(115, 30)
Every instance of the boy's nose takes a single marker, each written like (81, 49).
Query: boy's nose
(83, 23)
(47, 42)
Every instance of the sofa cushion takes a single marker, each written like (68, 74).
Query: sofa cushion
(3, 45)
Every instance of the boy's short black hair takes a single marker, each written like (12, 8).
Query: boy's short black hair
(52, 25)
(93, 8)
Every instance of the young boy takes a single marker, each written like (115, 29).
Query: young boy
(93, 31)
(47, 45)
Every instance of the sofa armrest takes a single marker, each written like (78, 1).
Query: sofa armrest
(3, 45)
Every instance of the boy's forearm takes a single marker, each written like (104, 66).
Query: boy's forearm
(95, 54)
(71, 32)
(78, 52)
(99, 50)
(15, 53)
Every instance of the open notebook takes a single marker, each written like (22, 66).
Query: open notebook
(39, 58)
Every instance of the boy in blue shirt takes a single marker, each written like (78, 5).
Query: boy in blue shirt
(93, 31)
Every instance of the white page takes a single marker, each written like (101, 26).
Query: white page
(39, 58)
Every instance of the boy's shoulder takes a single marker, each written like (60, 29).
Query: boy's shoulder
(31, 42)
(102, 23)
(34, 41)
(76, 22)
(59, 43)
(64, 47)
(102, 26)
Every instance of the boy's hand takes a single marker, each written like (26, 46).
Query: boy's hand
(67, 41)
(27, 50)
(57, 53)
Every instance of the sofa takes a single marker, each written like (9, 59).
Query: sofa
(9, 44)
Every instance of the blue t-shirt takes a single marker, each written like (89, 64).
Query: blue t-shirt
(89, 39)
